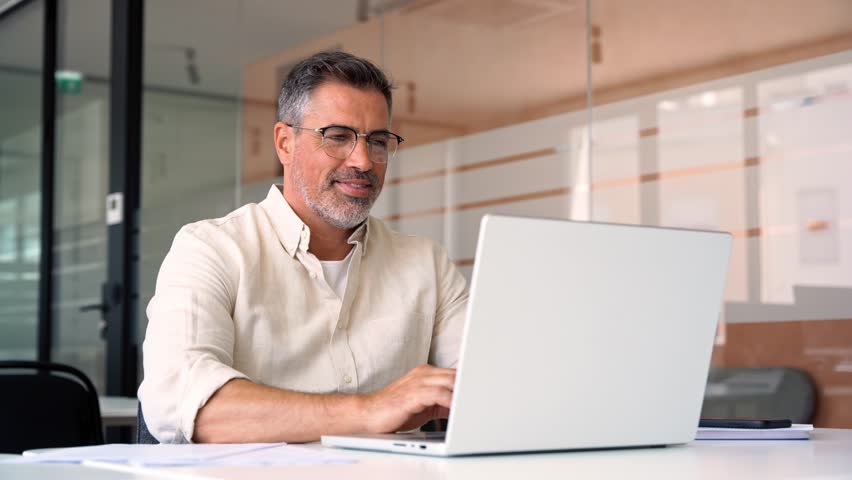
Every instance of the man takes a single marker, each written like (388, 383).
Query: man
(302, 315)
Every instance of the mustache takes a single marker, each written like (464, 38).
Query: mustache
(353, 174)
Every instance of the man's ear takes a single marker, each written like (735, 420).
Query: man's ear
(283, 143)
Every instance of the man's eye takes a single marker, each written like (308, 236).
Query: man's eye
(339, 138)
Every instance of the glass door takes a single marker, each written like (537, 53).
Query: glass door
(20, 179)
(80, 186)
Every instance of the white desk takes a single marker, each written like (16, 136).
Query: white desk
(828, 455)
(32, 471)
(118, 411)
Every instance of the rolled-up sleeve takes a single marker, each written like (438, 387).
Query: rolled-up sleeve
(189, 344)
(451, 310)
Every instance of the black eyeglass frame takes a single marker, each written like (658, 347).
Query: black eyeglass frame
(366, 136)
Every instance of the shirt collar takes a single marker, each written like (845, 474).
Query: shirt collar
(292, 232)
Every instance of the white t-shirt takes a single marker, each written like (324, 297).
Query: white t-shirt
(336, 273)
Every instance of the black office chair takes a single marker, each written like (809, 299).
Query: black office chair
(143, 435)
(47, 405)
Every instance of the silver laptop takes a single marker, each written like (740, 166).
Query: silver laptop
(579, 336)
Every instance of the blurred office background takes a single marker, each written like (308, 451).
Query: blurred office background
(731, 114)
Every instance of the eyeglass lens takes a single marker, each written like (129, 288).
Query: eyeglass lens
(339, 142)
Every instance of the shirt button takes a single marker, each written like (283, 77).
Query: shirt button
(314, 275)
(347, 379)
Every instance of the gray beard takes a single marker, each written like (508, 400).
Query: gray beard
(329, 204)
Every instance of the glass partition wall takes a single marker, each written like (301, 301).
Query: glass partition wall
(668, 113)
(194, 104)
(81, 185)
(738, 117)
(721, 115)
(20, 180)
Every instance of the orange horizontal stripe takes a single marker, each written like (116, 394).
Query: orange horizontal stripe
(482, 203)
(473, 166)
(421, 213)
(514, 198)
(616, 182)
(648, 132)
(419, 176)
(692, 171)
(749, 233)
(818, 225)
(500, 161)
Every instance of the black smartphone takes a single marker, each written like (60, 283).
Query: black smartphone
(760, 423)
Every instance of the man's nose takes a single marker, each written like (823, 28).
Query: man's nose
(360, 156)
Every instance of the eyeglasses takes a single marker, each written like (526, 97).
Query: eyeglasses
(339, 142)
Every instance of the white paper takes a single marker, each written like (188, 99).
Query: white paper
(185, 455)
(284, 455)
(798, 431)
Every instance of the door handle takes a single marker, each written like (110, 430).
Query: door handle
(109, 296)
(103, 307)
(100, 307)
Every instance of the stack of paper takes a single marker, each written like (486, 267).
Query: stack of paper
(184, 455)
(798, 431)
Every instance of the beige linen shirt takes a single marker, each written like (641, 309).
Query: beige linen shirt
(241, 297)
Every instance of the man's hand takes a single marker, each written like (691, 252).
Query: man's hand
(243, 411)
(423, 394)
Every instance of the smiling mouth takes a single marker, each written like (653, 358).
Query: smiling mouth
(355, 189)
(360, 186)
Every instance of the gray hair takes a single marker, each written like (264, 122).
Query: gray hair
(324, 67)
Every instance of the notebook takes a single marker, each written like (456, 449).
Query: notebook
(798, 431)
